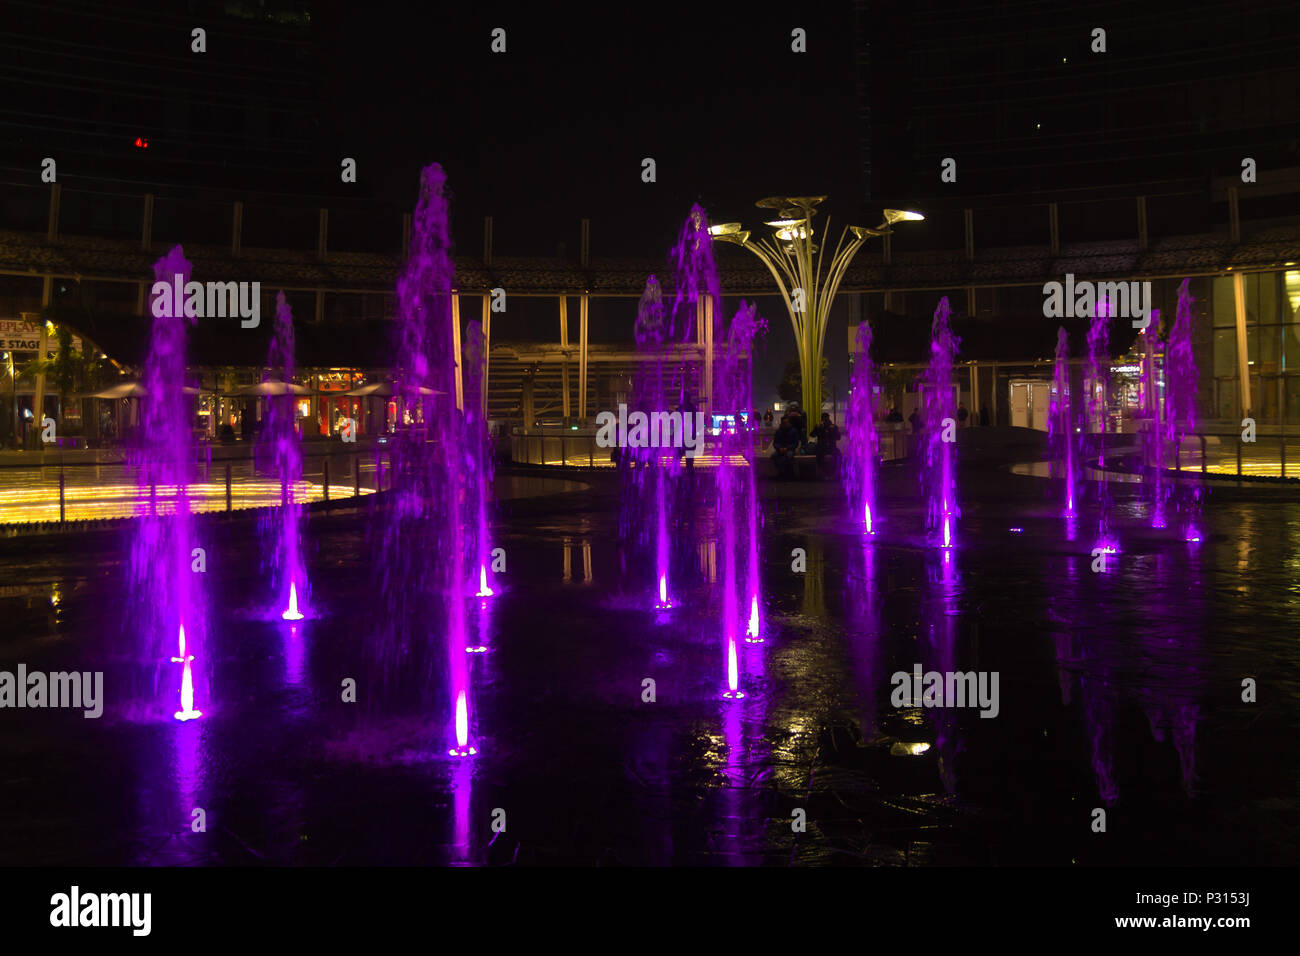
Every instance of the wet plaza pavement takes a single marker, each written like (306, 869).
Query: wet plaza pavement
(1118, 690)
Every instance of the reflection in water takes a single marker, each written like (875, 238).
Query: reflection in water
(814, 581)
(708, 558)
(941, 624)
(567, 550)
(294, 643)
(189, 777)
(864, 638)
(734, 783)
(1173, 682)
(462, 784)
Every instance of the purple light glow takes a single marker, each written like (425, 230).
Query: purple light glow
(940, 406)
(462, 748)
(187, 711)
(649, 477)
(292, 613)
(1179, 418)
(279, 454)
(166, 594)
(752, 628)
(736, 505)
(862, 451)
(1097, 388)
(1062, 431)
(484, 590)
(431, 531)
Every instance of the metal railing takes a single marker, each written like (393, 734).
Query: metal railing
(57, 491)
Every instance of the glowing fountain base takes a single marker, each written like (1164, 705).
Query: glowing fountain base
(187, 711)
(478, 649)
(733, 695)
(1108, 548)
(466, 751)
(663, 604)
(291, 613)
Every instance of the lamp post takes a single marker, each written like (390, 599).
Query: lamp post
(795, 262)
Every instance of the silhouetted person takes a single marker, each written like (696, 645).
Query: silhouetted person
(915, 419)
(984, 416)
(785, 445)
(800, 429)
(828, 435)
(962, 414)
(688, 410)
(767, 418)
(894, 415)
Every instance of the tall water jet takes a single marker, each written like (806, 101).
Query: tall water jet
(167, 600)
(420, 560)
(940, 423)
(862, 450)
(736, 504)
(1179, 419)
(695, 274)
(478, 458)
(1062, 431)
(648, 474)
(1098, 388)
(280, 450)
(657, 499)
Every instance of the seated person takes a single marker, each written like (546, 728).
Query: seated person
(828, 436)
(785, 445)
(800, 429)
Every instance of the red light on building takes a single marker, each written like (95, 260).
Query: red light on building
(141, 143)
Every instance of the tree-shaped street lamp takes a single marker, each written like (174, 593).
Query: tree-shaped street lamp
(795, 262)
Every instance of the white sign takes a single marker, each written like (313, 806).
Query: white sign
(19, 336)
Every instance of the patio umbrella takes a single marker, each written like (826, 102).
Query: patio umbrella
(273, 386)
(131, 390)
(385, 389)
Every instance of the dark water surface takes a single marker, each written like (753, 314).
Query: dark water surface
(1119, 691)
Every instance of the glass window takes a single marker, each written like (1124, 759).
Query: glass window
(1291, 347)
(1225, 312)
(1270, 342)
(1225, 353)
(1291, 294)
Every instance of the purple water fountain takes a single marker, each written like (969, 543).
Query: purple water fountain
(736, 501)
(648, 474)
(478, 459)
(280, 451)
(1062, 430)
(421, 561)
(1179, 419)
(940, 420)
(167, 597)
(862, 448)
(1098, 388)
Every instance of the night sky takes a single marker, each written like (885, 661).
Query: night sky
(555, 129)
